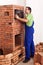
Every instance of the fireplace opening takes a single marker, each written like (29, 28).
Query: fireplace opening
(17, 40)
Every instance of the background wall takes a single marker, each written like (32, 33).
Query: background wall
(37, 11)
(15, 2)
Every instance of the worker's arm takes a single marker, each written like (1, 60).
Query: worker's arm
(21, 19)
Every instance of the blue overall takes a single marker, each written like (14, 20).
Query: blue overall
(29, 43)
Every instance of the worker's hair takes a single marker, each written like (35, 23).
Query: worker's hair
(29, 8)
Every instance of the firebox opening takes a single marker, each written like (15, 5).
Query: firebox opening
(18, 40)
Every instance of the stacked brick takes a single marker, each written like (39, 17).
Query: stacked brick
(38, 57)
(18, 56)
(5, 59)
(12, 58)
(11, 30)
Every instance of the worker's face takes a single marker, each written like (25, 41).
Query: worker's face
(27, 11)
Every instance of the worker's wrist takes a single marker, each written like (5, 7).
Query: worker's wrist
(19, 18)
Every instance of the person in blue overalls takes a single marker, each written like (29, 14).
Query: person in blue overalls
(29, 30)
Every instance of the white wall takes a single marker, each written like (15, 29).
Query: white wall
(37, 11)
(41, 19)
(15, 2)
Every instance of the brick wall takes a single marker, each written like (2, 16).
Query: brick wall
(9, 27)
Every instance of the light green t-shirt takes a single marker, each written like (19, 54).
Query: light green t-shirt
(30, 20)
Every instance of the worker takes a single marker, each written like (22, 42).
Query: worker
(29, 30)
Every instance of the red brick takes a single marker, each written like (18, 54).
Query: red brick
(37, 63)
(41, 57)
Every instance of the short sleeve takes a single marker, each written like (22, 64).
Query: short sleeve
(30, 18)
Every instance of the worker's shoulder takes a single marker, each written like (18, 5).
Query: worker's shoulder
(30, 15)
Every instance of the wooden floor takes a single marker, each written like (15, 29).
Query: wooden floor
(31, 62)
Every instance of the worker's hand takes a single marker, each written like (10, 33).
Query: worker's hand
(17, 17)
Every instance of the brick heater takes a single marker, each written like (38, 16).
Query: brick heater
(11, 30)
